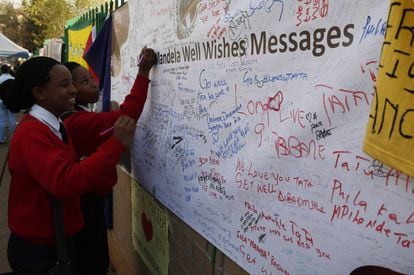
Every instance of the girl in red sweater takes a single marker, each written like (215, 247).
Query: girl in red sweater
(85, 127)
(44, 166)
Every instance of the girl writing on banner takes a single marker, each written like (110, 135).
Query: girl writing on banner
(85, 128)
(43, 166)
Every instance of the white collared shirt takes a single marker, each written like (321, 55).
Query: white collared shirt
(47, 118)
(85, 108)
(4, 77)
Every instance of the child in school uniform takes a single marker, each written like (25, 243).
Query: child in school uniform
(85, 128)
(44, 166)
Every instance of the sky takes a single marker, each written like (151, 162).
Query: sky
(15, 2)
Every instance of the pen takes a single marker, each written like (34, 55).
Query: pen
(142, 57)
(106, 131)
(140, 60)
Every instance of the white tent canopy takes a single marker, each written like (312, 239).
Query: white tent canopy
(10, 49)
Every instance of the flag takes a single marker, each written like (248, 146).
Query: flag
(99, 59)
(98, 56)
(77, 38)
(89, 41)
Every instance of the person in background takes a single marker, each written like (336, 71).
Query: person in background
(7, 118)
(44, 166)
(85, 127)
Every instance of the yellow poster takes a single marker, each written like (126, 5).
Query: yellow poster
(390, 132)
(149, 230)
(77, 39)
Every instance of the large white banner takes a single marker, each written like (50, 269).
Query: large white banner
(253, 129)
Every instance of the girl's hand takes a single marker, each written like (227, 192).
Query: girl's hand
(147, 58)
(124, 129)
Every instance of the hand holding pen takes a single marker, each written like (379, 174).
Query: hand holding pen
(124, 129)
(147, 59)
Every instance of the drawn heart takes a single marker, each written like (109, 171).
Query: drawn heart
(275, 102)
(147, 226)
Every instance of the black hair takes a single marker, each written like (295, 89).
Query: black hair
(71, 65)
(32, 73)
(5, 69)
(6, 89)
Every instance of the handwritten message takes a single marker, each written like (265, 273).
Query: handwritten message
(253, 129)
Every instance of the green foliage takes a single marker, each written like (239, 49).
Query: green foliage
(45, 19)
(10, 22)
(30, 24)
(82, 6)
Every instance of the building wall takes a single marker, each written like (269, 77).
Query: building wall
(190, 253)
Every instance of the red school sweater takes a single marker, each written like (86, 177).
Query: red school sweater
(41, 165)
(84, 127)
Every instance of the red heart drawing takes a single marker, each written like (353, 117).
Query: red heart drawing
(147, 226)
(275, 101)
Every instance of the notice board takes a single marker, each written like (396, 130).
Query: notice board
(253, 129)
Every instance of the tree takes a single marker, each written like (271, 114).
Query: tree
(11, 22)
(37, 20)
(45, 19)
